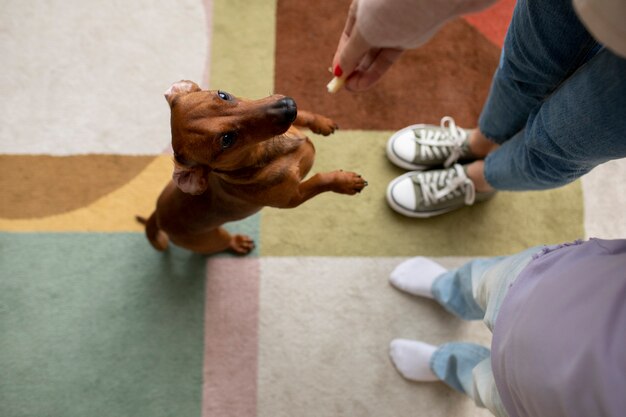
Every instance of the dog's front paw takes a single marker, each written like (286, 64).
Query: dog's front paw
(241, 244)
(323, 125)
(349, 183)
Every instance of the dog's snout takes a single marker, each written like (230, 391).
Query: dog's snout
(286, 108)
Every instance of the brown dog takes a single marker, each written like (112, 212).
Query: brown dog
(232, 157)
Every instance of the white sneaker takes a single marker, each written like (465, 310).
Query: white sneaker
(434, 192)
(419, 147)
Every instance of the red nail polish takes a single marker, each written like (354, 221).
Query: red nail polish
(337, 72)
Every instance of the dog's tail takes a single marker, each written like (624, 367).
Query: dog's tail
(158, 239)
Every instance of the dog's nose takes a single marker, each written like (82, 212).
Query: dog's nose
(288, 102)
(288, 108)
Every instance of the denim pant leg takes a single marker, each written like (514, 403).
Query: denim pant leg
(475, 291)
(466, 367)
(454, 362)
(454, 289)
(544, 45)
(580, 126)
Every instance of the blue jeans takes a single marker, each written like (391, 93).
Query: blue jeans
(557, 103)
(475, 291)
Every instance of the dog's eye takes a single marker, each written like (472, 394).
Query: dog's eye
(224, 95)
(228, 139)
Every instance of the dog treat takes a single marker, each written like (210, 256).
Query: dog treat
(335, 84)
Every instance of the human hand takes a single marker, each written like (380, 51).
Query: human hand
(377, 31)
(360, 64)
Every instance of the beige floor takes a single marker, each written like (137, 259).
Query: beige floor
(329, 357)
(604, 193)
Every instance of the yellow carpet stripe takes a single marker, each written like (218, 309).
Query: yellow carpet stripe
(113, 212)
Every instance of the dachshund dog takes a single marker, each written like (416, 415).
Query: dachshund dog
(232, 157)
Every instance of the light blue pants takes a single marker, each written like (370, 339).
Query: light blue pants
(475, 291)
(557, 103)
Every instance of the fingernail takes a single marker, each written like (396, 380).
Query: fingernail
(337, 72)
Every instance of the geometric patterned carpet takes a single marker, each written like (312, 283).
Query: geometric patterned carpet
(95, 322)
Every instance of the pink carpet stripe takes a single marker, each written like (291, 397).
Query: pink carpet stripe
(231, 338)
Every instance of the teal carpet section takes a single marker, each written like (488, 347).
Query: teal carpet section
(250, 226)
(99, 325)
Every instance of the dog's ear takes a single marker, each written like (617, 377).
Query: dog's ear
(190, 180)
(179, 88)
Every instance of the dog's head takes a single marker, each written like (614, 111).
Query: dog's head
(214, 130)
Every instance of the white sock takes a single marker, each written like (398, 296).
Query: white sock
(412, 359)
(416, 276)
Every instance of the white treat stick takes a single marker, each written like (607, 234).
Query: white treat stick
(335, 84)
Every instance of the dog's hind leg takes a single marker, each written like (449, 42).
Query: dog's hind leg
(216, 240)
(157, 238)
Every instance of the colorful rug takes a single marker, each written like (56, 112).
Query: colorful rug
(95, 322)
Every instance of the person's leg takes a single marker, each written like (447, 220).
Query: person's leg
(473, 291)
(480, 145)
(476, 173)
(454, 289)
(468, 291)
(544, 45)
(476, 290)
(485, 389)
(577, 128)
(453, 364)
(490, 285)
(465, 367)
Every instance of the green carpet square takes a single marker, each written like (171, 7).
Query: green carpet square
(364, 225)
(99, 325)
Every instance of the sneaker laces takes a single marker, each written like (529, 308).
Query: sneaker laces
(445, 142)
(446, 184)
